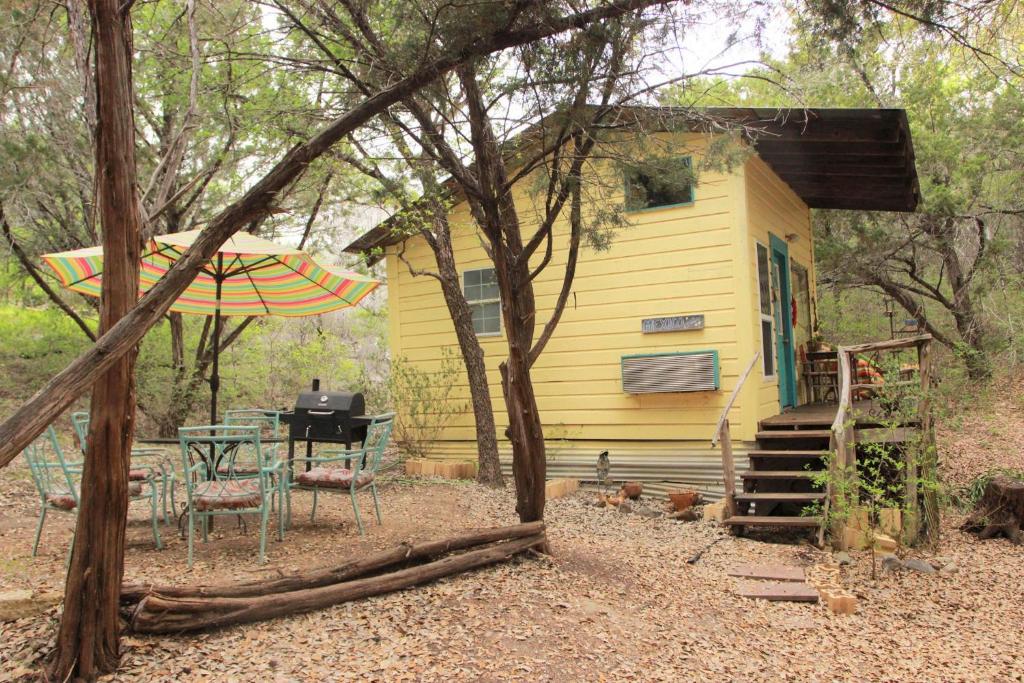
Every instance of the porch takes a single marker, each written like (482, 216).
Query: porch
(807, 456)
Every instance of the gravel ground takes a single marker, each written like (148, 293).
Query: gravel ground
(616, 601)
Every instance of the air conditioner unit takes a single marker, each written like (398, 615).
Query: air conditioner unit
(651, 373)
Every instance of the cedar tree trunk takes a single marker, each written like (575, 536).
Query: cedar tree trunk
(489, 470)
(529, 462)
(87, 643)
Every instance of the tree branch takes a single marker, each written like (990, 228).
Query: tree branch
(34, 273)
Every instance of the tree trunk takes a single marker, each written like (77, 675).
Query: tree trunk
(489, 467)
(529, 459)
(1000, 511)
(403, 555)
(160, 614)
(87, 642)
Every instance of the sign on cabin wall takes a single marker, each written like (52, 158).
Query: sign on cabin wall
(674, 323)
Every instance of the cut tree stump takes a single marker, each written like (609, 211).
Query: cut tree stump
(1000, 510)
(156, 613)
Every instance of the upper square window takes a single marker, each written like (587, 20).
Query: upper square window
(651, 188)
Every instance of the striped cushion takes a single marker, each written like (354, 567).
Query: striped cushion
(227, 495)
(63, 500)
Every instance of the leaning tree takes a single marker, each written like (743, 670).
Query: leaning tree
(89, 630)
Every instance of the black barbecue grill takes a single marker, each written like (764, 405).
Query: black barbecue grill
(326, 417)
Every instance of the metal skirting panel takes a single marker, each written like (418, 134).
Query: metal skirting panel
(661, 467)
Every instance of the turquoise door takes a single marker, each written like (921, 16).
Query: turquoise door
(783, 322)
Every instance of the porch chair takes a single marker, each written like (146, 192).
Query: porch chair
(58, 483)
(214, 484)
(269, 423)
(80, 423)
(361, 475)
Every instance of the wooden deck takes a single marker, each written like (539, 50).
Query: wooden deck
(821, 415)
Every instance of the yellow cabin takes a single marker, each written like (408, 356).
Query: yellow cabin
(660, 327)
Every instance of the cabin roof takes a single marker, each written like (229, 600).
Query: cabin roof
(855, 159)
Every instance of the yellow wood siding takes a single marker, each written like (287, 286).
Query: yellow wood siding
(772, 209)
(690, 259)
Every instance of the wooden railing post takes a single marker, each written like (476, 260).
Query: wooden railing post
(929, 456)
(843, 443)
(722, 434)
(728, 471)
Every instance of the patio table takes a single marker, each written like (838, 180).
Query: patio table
(203, 453)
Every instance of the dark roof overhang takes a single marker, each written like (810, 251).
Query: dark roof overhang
(855, 159)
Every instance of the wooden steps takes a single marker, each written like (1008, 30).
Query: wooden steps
(780, 482)
(778, 474)
(783, 454)
(771, 520)
(793, 434)
(809, 497)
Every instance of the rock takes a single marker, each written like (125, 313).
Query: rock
(842, 559)
(919, 566)
(688, 515)
(19, 604)
(625, 506)
(949, 568)
(631, 489)
(884, 542)
(648, 513)
(715, 511)
(891, 563)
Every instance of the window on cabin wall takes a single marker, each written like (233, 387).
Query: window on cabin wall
(764, 288)
(661, 183)
(481, 290)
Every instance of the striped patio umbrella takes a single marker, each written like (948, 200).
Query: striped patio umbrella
(249, 276)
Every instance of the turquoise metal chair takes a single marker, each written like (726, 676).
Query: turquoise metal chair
(361, 475)
(269, 422)
(216, 461)
(80, 423)
(58, 483)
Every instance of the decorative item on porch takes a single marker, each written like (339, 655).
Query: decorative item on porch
(603, 467)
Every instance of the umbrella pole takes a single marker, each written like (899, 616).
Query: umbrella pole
(215, 373)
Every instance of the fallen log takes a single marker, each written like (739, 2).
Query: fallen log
(157, 613)
(358, 568)
(1000, 510)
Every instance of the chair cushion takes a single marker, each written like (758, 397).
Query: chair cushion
(248, 470)
(332, 478)
(63, 500)
(227, 494)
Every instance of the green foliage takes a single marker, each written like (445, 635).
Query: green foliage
(36, 343)
(426, 402)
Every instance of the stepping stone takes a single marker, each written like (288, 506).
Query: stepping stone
(778, 592)
(770, 572)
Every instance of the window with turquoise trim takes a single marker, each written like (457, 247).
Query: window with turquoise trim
(764, 289)
(665, 182)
